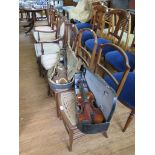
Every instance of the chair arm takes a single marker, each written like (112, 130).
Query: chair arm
(45, 31)
(53, 41)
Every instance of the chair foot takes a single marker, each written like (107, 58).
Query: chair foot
(132, 114)
(105, 134)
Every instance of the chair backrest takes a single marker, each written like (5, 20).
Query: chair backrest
(99, 66)
(82, 53)
(99, 13)
(53, 15)
(120, 19)
(72, 32)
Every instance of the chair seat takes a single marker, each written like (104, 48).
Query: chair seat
(86, 35)
(115, 59)
(44, 37)
(43, 28)
(83, 25)
(127, 95)
(90, 45)
(49, 48)
(67, 102)
(49, 60)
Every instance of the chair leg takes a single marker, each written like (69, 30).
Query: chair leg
(105, 134)
(132, 114)
(48, 90)
(70, 140)
(57, 106)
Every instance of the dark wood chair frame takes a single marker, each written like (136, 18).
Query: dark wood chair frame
(124, 77)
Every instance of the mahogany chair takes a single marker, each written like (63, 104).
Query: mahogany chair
(66, 99)
(115, 35)
(122, 82)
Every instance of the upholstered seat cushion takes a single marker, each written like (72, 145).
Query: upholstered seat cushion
(83, 25)
(86, 35)
(44, 37)
(49, 60)
(48, 48)
(115, 59)
(67, 104)
(127, 95)
(43, 28)
(90, 45)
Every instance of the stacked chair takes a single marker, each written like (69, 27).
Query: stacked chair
(89, 48)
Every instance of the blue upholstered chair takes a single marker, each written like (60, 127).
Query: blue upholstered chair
(121, 18)
(82, 52)
(122, 82)
(116, 61)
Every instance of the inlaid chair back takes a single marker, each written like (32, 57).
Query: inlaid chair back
(121, 18)
(100, 66)
(82, 53)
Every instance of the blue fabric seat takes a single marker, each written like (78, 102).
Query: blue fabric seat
(90, 45)
(83, 25)
(86, 35)
(115, 59)
(127, 95)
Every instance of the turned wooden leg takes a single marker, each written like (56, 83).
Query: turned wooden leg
(70, 140)
(132, 114)
(105, 134)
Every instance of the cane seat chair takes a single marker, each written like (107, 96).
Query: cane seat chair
(116, 61)
(112, 36)
(122, 82)
(66, 99)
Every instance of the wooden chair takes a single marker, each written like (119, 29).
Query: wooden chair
(97, 23)
(66, 103)
(82, 54)
(47, 33)
(112, 36)
(47, 52)
(122, 82)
